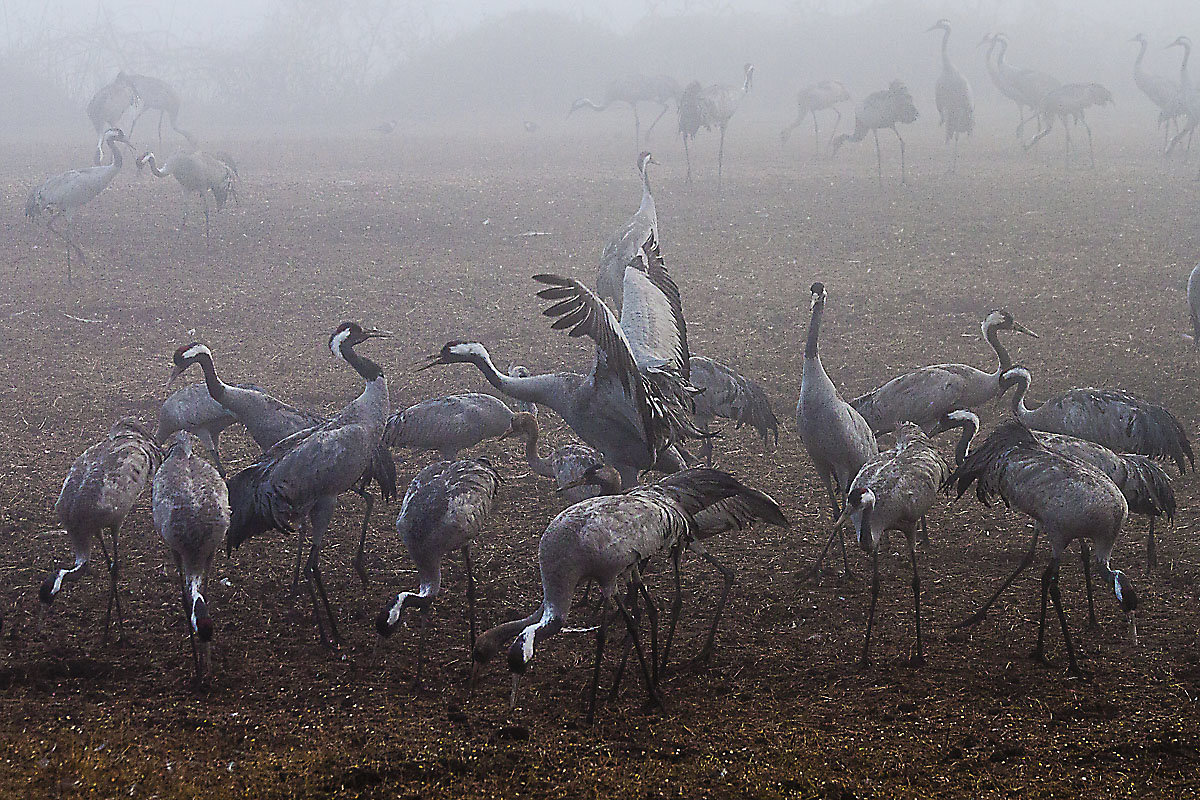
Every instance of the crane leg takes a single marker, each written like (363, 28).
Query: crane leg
(903, 168)
(187, 619)
(816, 135)
(1151, 551)
(114, 598)
(919, 658)
(727, 576)
(1086, 556)
(632, 627)
(978, 616)
(204, 202)
(1067, 131)
(426, 618)
(1073, 668)
(637, 127)
(650, 130)
(837, 532)
(210, 442)
(865, 661)
(1091, 151)
(720, 157)
(601, 636)
(320, 516)
(676, 604)
(924, 531)
(470, 595)
(688, 157)
(652, 621)
(837, 122)
(878, 159)
(299, 553)
(65, 237)
(627, 645)
(1039, 652)
(133, 124)
(160, 121)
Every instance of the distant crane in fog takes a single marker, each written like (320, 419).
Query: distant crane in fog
(108, 105)
(1193, 298)
(155, 94)
(198, 173)
(1029, 85)
(953, 95)
(61, 195)
(706, 107)
(1188, 96)
(632, 90)
(813, 98)
(1071, 100)
(1161, 90)
(885, 109)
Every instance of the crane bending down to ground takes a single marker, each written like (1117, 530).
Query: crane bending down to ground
(1162, 91)
(813, 98)
(661, 90)
(63, 194)
(269, 421)
(886, 109)
(565, 465)
(302, 476)
(1118, 420)
(893, 492)
(448, 425)
(636, 403)
(952, 94)
(191, 513)
(624, 244)
(726, 393)
(838, 440)
(1032, 85)
(98, 494)
(155, 94)
(927, 394)
(197, 173)
(605, 539)
(193, 409)
(1071, 100)
(1067, 499)
(444, 509)
(705, 107)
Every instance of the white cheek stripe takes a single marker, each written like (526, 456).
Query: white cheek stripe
(335, 344)
(394, 612)
(195, 350)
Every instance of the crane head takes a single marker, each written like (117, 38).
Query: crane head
(523, 423)
(604, 476)
(1016, 375)
(941, 25)
(1001, 319)
(350, 334)
(456, 352)
(1141, 37)
(988, 38)
(1126, 596)
(1181, 41)
(645, 158)
(748, 69)
(184, 357)
(818, 293)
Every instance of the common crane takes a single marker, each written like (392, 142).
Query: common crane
(826, 94)
(448, 425)
(885, 109)
(1071, 100)
(197, 173)
(711, 106)
(952, 94)
(632, 90)
(564, 465)
(727, 394)
(623, 246)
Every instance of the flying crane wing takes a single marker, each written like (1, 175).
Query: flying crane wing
(652, 312)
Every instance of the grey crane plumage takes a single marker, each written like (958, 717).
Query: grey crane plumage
(270, 421)
(727, 394)
(108, 105)
(1193, 298)
(97, 495)
(706, 107)
(884, 109)
(302, 476)
(820, 96)
(197, 173)
(190, 505)
(1067, 499)
(623, 246)
(925, 395)
(62, 195)
(838, 440)
(564, 465)
(1164, 92)
(952, 94)
(1071, 100)
(893, 492)
(1029, 86)
(449, 424)
(521, 371)
(444, 509)
(636, 402)
(155, 94)
(605, 539)
(1188, 96)
(193, 409)
(661, 90)
(1118, 420)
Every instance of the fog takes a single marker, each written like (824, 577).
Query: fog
(280, 64)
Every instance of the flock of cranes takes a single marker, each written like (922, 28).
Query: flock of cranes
(1077, 466)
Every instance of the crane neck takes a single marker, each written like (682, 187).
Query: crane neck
(529, 389)
(1137, 62)
(216, 387)
(1000, 62)
(1184, 78)
(993, 338)
(969, 429)
(365, 367)
(945, 48)
(492, 641)
(1020, 411)
(117, 159)
(647, 197)
(539, 465)
(814, 329)
(154, 168)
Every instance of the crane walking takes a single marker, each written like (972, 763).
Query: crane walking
(885, 109)
(821, 96)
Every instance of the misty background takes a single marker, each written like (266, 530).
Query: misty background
(343, 64)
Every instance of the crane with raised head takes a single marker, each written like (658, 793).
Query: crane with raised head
(952, 93)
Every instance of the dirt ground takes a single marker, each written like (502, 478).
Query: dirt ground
(426, 235)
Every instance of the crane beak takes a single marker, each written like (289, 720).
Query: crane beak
(376, 333)
(175, 373)
(987, 37)
(432, 361)
(841, 520)
(932, 28)
(1019, 328)
(570, 485)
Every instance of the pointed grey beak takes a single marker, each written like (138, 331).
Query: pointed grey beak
(432, 361)
(175, 373)
(1019, 328)
(376, 333)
